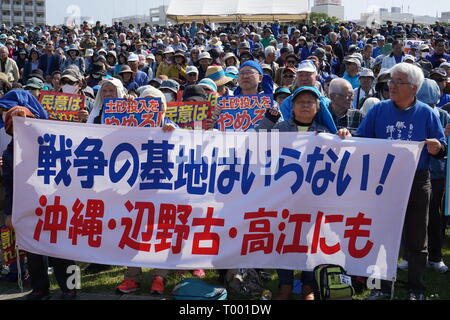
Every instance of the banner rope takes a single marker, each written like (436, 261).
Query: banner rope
(19, 269)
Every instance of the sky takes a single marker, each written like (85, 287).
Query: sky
(105, 10)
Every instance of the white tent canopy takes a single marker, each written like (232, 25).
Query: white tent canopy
(182, 11)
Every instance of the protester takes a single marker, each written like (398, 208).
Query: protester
(352, 67)
(8, 66)
(341, 95)
(429, 93)
(352, 70)
(23, 104)
(366, 88)
(403, 107)
(440, 76)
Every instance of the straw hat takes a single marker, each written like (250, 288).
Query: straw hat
(217, 74)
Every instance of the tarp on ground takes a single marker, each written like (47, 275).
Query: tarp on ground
(219, 11)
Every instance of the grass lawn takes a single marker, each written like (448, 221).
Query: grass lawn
(107, 281)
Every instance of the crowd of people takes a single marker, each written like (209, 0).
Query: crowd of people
(343, 79)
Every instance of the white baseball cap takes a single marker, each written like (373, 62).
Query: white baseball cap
(192, 69)
(133, 57)
(307, 66)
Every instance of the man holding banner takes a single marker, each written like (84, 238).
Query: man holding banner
(406, 118)
(23, 104)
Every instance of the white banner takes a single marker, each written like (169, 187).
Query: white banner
(141, 197)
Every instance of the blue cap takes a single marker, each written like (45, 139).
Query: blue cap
(282, 90)
(429, 93)
(313, 90)
(254, 65)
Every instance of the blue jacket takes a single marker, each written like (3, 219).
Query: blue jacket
(305, 53)
(141, 78)
(323, 117)
(55, 64)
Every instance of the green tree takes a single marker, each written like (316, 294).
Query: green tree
(317, 17)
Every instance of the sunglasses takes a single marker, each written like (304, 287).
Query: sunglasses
(66, 81)
(291, 61)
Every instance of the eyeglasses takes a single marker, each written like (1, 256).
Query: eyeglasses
(191, 74)
(396, 83)
(346, 96)
(289, 76)
(247, 73)
(291, 61)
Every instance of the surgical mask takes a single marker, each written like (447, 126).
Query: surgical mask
(309, 44)
(169, 97)
(71, 89)
(424, 54)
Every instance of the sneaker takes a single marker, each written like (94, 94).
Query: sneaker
(38, 295)
(128, 286)
(413, 296)
(199, 273)
(157, 285)
(403, 265)
(377, 295)
(50, 270)
(438, 266)
(69, 295)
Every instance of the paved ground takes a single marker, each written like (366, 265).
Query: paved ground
(15, 294)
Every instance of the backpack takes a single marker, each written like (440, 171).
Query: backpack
(245, 282)
(196, 289)
(332, 283)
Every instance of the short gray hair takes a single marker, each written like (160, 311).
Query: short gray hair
(414, 73)
(269, 50)
(336, 85)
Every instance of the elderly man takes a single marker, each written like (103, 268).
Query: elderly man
(413, 121)
(8, 66)
(341, 95)
(141, 78)
(368, 60)
(306, 77)
(337, 47)
(270, 53)
(366, 88)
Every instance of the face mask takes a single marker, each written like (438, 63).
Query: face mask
(67, 88)
(424, 54)
(309, 44)
(169, 97)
